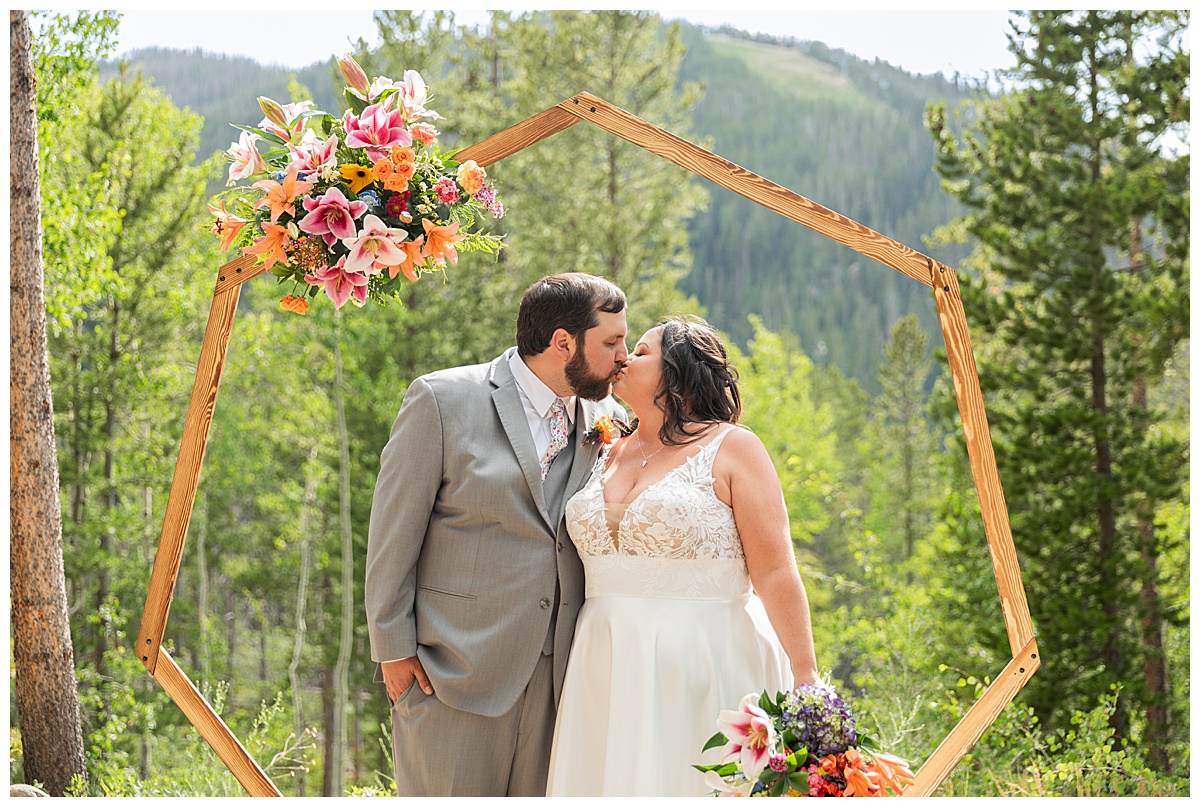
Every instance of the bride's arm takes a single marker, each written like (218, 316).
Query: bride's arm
(745, 474)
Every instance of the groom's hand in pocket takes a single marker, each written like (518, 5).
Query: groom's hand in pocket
(397, 675)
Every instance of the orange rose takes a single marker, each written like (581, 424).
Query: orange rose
(405, 170)
(471, 177)
(384, 168)
(296, 304)
(403, 154)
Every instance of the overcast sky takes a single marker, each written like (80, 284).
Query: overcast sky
(928, 41)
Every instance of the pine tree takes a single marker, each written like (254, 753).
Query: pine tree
(1077, 180)
(43, 659)
(900, 445)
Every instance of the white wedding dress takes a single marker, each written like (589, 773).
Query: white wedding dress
(669, 635)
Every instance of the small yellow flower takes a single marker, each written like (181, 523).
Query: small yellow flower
(359, 176)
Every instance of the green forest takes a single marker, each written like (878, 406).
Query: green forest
(1061, 200)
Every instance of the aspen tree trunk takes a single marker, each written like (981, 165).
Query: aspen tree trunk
(342, 669)
(327, 713)
(43, 658)
(1155, 664)
(306, 518)
(200, 652)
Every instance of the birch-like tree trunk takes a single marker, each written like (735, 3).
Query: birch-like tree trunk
(44, 660)
(342, 669)
(306, 517)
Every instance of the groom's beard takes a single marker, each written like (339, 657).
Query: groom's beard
(583, 381)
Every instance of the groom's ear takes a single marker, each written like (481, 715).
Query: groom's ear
(563, 344)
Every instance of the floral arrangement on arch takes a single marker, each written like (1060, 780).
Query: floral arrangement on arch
(356, 204)
(803, 743)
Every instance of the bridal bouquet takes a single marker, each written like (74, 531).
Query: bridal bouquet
(349, 204)
(803, 743)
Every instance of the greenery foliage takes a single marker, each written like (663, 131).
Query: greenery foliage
(1078, 210)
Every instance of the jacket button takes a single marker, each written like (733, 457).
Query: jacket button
(545, 603)
(560, 546)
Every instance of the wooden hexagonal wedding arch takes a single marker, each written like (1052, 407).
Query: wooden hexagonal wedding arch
(585, 107)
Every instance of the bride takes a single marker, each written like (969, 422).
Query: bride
(677, 522)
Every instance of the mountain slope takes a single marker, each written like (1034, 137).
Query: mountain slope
(843, 132)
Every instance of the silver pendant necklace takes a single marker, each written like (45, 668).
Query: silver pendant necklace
(642, 451)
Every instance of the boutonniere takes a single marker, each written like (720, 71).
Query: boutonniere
(602, 431)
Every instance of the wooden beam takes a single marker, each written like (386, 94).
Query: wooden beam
(755, 188)
(729, 175)
(187, 474)
(238, 271)
(976, 721)
(212, 728)
(519, 136)
(983, 458)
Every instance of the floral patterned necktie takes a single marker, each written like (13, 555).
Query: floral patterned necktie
(558, 434)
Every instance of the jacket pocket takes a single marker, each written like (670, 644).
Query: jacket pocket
(443, 591)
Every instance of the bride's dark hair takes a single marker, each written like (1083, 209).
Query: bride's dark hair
(699, 387)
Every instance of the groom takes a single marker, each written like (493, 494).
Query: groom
(472, 584)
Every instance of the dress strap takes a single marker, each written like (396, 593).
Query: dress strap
(707, 455)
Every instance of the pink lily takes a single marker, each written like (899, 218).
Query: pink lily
(354, 75)
(751, 735)
(340, 285)
(247, 162)
(285, 121)
(331, 215)
(377, 130)
(376, 246)
(312, 156)
(380, 85)
(414, 95)
(724, 788)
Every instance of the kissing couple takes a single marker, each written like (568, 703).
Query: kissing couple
(557, 614)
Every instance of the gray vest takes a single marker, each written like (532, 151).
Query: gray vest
(554, 486)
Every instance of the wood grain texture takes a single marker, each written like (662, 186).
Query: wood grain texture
(187, 474)
(787, 203)
(212, 728)
(238, 271)
(518, 136)
(976, 721)
(983, 458)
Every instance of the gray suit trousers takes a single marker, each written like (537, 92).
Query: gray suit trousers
(476, 755)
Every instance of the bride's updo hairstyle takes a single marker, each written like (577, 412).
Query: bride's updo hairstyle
(698, 384)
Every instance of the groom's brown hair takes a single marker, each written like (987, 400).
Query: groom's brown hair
(568, 301)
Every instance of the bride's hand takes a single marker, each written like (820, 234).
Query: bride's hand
(803, 676)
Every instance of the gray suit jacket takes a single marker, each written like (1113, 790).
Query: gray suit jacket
(463, 552)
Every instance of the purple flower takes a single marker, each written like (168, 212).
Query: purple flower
(820, 720)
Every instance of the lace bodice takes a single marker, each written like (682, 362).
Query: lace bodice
(678, 517)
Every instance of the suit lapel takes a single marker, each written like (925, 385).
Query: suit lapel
(516, 426)
(585, 456)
